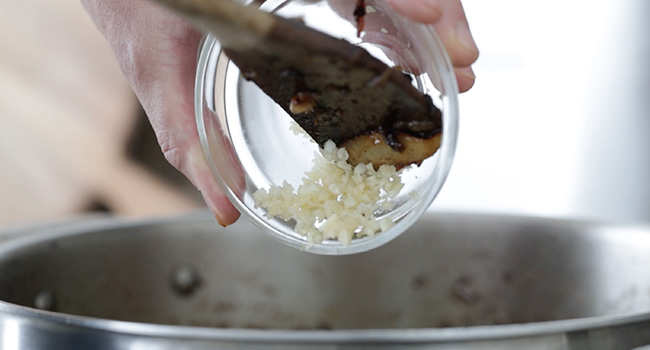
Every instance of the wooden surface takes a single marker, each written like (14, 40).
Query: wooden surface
(66, 114)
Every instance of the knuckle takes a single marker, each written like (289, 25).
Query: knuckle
(171, 150)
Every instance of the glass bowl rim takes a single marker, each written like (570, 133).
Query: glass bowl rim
(446, 152)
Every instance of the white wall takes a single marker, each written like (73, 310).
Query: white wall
(557, 123)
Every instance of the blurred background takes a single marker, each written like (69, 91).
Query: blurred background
(73, 138)
(558, 121)
(557, 124)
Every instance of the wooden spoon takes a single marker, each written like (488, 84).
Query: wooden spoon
(333, 89)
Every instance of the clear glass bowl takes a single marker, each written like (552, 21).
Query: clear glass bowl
(248, 141)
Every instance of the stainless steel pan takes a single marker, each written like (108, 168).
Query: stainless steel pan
(454, 281)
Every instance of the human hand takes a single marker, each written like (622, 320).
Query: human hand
(157, 52)
(448, 18)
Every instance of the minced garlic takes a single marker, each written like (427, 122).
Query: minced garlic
(335, 199)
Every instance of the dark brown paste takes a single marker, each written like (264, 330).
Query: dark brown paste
(339, 91)
(359, 14)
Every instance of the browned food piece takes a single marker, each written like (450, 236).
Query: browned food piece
(335, 90)
(372, 148)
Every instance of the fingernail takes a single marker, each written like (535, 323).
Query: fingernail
(464, 36)
(216, 213)
(225, 213)
(216, 216)
(467, 72)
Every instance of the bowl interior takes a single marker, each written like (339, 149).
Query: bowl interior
(448, 270)
(249, 140)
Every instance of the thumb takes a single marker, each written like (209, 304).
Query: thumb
(195, 168)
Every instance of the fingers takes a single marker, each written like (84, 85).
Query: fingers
(192, 163)
(458, 40)
(448, 18)
(169, 105)
(424, 11)
(166, 92)
(465, 78)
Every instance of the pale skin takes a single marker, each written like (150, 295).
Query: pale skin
(157, 53)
